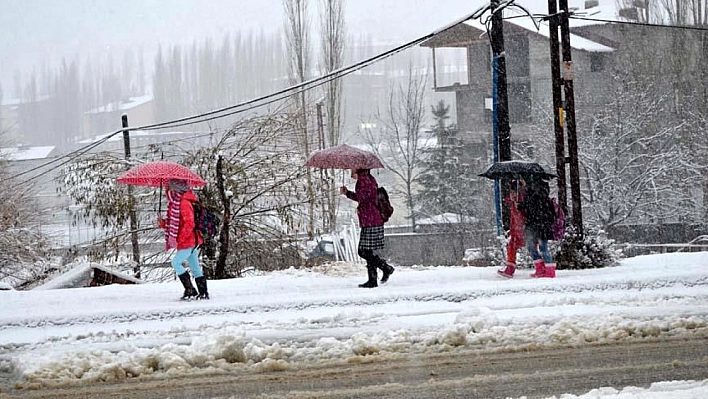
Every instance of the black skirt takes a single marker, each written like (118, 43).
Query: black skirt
(371, 238)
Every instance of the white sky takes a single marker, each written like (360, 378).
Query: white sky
(296, 317)
(35, 32)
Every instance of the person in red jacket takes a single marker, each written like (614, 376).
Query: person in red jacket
(371, 223)
(181, 235)
(516, 227)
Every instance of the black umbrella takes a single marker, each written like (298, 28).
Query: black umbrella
(515, 169)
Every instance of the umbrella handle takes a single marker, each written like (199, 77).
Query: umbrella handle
(159, 206)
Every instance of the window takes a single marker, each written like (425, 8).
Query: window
(519, 102)
(517, 60)
(597, 62)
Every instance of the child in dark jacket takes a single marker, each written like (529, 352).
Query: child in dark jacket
(540, 216)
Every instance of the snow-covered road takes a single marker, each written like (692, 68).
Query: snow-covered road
(296, 317)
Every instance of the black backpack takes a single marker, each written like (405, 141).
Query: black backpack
(383, 203)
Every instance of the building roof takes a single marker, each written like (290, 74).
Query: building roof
(14, 102)
(124, 105)
(22, 153)
(516, 21)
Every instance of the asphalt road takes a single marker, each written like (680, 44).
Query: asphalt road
(458, 374)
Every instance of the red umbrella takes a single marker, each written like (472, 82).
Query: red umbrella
(158, 173)
(344, 157)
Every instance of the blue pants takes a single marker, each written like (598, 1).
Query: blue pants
(191, 255)
(542, 245)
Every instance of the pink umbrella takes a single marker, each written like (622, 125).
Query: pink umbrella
(344, 157)
(158, 173)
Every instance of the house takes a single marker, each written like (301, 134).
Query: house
(19, 122)
(9, 117)
(141, 140)
(31, 161)
(615, 66)
(528, 71)
(107, 117)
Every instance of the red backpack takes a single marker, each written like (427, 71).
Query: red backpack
(206, 221)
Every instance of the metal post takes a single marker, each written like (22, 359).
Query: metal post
(133, 216)
(577, 217)
(502, 101)
(435, 71)
(556, 84)
(320, 126)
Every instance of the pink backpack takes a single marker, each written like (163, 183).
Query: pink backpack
(559, 222)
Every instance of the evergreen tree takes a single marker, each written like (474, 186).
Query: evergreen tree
(447, 182)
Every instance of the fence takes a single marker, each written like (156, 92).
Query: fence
(699, 243)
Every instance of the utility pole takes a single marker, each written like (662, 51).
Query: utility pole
(556, 84)
(502, 130)
(131, 201)
(577, 217)
(224, 234)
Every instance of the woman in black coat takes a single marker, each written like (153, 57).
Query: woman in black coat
(540, 215)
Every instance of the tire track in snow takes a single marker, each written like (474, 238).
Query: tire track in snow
(453, 297)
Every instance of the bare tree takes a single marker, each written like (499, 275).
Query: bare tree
(259, 180)
(259, 189)
(298, 50)
(24, 246)
(397, 141)
(332, 42)
(635, 168)
(681, 69)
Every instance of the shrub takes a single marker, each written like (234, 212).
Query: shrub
(594, 250)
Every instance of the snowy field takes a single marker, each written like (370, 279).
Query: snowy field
(296, 318)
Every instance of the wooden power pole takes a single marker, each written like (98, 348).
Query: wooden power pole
(131, 199)
(557, 83)
(502, 129)
(577, 215)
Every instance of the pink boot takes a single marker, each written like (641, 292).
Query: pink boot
(508, 272)
(540, 268)
(550, 271)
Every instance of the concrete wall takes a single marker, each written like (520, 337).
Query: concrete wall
(444, 248)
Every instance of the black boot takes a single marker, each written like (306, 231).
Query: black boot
(371, 283)
(386, 269)
(189, 291)
(202, 287)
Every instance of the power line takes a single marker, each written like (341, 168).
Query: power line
(73, 155)
(573, 16)
(611, 21)
(254, 103)
(309, 84)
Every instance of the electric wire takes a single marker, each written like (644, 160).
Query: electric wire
(686, 27)
(254, 103)
(306, 85)
(72, 155)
